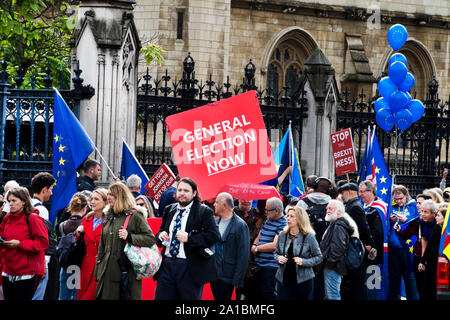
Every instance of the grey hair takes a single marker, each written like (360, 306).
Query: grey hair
(276, 204)
(11, 184)
(339, 206)
(431, 205)
(134, 181)
(227, 199)
(370, 186)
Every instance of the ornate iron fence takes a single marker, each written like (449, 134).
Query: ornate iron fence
(26, 123)
(160, 98)
(422, 150)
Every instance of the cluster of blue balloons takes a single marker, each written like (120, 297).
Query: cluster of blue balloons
(396, 105)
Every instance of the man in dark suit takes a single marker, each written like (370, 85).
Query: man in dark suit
(188, 231)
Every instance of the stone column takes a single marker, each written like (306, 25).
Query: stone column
(106, 44)
(318, 80)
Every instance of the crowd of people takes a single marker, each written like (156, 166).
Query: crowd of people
(284, 248)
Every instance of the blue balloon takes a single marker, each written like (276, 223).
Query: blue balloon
(380, 104)
(398, 100)
(397, 36)
(397, 57)
(408, 83)
(409, 97)
(417, 109)
(386, 87)
(397, 72)
(385, 119)
(403, 119)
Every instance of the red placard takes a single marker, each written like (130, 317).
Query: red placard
(343, 152)
(222, 142)
(162, 180)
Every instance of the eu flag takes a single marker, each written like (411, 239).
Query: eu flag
(71, 146)
(373, 168)
(286, 156)
(130, 166)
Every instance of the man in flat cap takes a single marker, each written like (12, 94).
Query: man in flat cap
(353, 285)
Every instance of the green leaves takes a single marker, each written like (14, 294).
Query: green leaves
(152, 52)
(36, 34)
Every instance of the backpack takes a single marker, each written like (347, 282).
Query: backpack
(355, 253)
(51, 250)
(316, 214)
(63, 248)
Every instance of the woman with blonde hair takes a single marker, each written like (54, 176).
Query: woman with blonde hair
(91, 230)
(143, 202)
(297, 252)
(111, 262)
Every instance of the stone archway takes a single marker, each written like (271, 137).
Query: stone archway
(420, 64)
(284, 56)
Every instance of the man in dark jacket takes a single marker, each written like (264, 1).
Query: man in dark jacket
(375, 211)
(188, 232)
(334, 248)
(354, 283)
(92, 172)
(232, 251)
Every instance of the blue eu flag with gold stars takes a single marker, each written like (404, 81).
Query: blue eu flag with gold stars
(71, 146)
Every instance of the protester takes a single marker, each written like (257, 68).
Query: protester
(353, 284)
(167, 198)
(419, 199)
(375, 210)
(254, 220)
(41, 186)
(400, 264)
(111, 260)
(92, 172)
(297, 252)
(264, 247)
(26, 239)
(142, 201)
(334, 248)
(134, 184)
(435, 196)
(188, 232)
(310, 182)
(421, 229)
(446, 194)
(8, 186)
(91, 228)
(443, 183)
(77, 207)
(232, 251)
(315, 204)
(428, 263)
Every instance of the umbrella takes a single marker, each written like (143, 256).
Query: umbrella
(250, 191)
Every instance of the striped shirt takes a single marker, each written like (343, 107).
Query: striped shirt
(269, 230)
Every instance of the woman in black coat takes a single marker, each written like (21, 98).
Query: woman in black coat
(429, 259)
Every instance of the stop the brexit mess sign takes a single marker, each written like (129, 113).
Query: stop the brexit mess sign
(343, 152)
(222, 142)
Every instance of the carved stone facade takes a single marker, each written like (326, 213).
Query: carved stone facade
(222, 35)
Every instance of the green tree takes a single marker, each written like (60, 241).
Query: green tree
(35, 34)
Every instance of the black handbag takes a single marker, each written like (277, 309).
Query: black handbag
(77, 251)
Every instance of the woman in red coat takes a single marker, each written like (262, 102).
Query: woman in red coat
(25, 239)
(91, 226)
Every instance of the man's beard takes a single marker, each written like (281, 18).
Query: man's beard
(331, 217)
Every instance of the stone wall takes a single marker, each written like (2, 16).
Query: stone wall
(223, 35)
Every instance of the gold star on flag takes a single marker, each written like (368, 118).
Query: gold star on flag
(61, 161)
(383, 179)
(408, 241)
(61, 148)
(377, 170)
(56, 138)
(384, 191)
(411, 249)
(57, 174)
